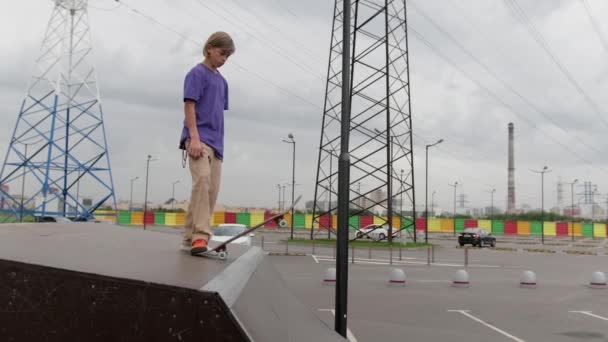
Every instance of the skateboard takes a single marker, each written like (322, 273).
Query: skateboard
(221, 251)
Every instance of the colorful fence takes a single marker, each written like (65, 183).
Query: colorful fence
(435, 225)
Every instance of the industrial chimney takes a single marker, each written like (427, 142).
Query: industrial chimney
(511, 170)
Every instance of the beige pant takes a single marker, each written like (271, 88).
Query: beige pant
(205, 172)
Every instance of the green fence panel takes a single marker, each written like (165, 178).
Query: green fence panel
(459, 224)
(407, 223)
(498, 227)
(536, 228)
(124, 217)
(299, 221)
(159, 219)
(353, 221)
(243, 218)
(587, 229)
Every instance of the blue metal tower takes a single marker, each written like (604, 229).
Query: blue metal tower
(58, 151)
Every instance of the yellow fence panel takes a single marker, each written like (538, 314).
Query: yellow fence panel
(550, 228)
(599, 230)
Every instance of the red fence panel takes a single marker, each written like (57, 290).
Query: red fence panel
(510, 228)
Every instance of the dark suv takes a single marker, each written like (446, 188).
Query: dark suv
(476, 237)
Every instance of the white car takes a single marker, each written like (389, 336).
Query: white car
(381, 234)
(367, 229)
(226, 231)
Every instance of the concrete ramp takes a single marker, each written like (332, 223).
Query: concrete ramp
(101, 282)
(270, 312)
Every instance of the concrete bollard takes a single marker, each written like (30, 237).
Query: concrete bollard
(598, 280)
(461, 279)
(330, 276)
(528, 280)
(396, 277)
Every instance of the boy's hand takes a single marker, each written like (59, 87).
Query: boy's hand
(195, 149)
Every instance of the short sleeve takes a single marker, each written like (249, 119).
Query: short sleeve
(192, 86)
(226, 95)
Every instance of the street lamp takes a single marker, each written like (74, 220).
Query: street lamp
(131, 197)
(455, 185)
(542, 208)
(433, 203)
(279, 191)
(572, 208)
(148, 160)
(293, 176)
(426, 196)
(492, 210)
(401, 202)
(173, 194)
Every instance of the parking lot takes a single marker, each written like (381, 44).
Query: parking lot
(494, 308)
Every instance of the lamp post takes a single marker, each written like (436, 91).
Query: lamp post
(572, 208)
(426, 193)
(279, 191)
(293, 176)
(173, 194)
(542, 201)
(433, 203)
(492, 210)
(148, 160)
(401, 201)
(454, 214)
(131, 196)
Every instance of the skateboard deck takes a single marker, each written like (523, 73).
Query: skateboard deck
(221, 251)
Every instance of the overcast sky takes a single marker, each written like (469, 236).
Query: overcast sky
(466, 101)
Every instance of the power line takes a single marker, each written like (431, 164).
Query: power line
(196, 43)
(595, 25)
(305, 67)
(538, 37)
(275, 28)
(502, 81)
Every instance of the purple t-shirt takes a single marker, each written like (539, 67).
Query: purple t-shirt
(209, 90)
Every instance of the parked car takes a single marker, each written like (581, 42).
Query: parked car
(366, 230)
(476, 237)
(52, 218)
(226, 231)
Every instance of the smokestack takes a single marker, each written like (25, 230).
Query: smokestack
(511, 169)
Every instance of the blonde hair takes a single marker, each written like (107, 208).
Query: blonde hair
(219, 40)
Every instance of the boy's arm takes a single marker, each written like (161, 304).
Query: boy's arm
(195, 149)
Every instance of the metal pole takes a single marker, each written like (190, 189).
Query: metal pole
(454, 215)
(131, 196)
(426, 198)
(401, 202)
(279, 191)
(389, 138)
(146, 193)
(293, 183)
(23, 185)
(572, 209)
(492, 210)
(542, 207)
(329, 193)
(344, 177)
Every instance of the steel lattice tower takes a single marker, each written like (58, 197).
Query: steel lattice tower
(58, 149)
(380, 148)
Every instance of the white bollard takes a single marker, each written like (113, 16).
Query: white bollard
(528, 280)
(396, 277)
(461, 279)
(598, 280)
(330, 276)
